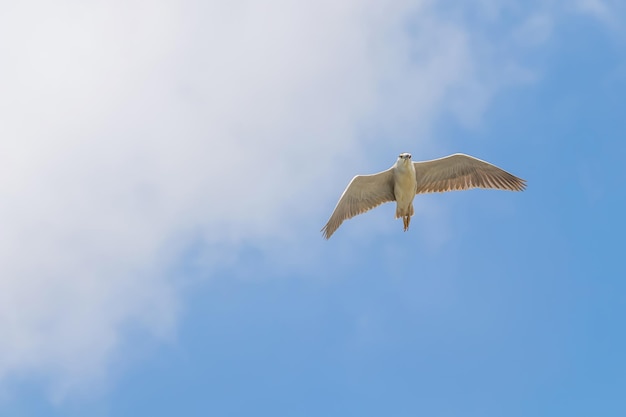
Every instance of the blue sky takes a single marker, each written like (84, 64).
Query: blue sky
(166, 168)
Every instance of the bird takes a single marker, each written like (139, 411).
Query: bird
(405, 179)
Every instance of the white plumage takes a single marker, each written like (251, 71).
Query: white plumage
(405, 179)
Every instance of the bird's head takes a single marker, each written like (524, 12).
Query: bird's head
(404, 157)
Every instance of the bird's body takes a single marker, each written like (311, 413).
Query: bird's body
(405, 179)
(404, 186)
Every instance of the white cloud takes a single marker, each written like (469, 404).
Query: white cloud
(597, 8)
(536, 29)
(609, 12)
(131, 128)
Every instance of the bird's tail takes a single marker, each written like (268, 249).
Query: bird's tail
(405, 212)
(406, 215)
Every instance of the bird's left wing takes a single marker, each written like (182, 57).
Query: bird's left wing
(362, 194)
(462, 172)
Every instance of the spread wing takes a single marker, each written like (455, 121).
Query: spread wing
(362, 194)
(462, 172)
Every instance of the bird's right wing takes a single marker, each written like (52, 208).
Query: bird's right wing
(362, 194)
(462, 172)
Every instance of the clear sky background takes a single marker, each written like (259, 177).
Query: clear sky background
(166, 166)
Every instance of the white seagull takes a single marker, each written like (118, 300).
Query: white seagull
(405, 179)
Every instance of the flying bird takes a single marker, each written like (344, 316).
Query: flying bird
(405, 179)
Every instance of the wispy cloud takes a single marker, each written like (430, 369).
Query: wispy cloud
(129, 130)
(597, 8)
(609, 12)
